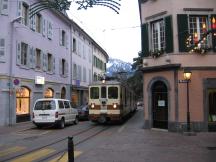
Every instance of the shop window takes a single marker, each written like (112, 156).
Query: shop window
(49, 93)
(22, 101)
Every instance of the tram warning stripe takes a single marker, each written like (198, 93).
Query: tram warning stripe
(64, 158)
(34, 156)
(11, 150)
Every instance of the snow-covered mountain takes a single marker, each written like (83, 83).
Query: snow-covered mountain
(115, 66)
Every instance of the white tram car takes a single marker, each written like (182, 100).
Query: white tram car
(110, 101)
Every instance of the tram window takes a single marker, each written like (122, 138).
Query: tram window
(103, 92)
(94, 92)
(113, 92)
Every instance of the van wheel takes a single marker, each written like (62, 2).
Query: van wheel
(62, 124)
(76, 121)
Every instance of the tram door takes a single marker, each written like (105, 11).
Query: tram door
(159, 105)
(212, 110)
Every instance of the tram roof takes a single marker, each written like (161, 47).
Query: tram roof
(113, 82)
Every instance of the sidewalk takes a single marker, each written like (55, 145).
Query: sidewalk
(16, 127)
(132, 143)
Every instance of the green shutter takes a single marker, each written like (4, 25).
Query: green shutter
(169, 34)
(145, 42)
(182, 32)
(213, 37)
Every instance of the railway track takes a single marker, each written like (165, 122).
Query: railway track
(87, 134)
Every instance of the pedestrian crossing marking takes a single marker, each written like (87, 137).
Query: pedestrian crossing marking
(64, 158)
(11, 150)
(34, 156)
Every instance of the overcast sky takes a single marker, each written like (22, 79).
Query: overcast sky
(118, 34)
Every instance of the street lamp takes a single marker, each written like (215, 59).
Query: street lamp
(187, 78)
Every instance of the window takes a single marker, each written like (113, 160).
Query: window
(22, 101)
(79, 73)
(63, 93)
(38, 23)
(197, 27)
(158, 35)
(103, 92)
(113, 92)
(62, 38)
(61, 104)
(25, 9)
(66, 104)
(74, 71)
(49, 93)
(4, 7)
(94, 92)
(38, 59)
(74, 45)
(45, 105)
(84, 74)
(2, 49)
(50, 63)
(24, 50)
(63, 66)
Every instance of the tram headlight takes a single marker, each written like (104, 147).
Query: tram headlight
(92, 105)
(114, 105)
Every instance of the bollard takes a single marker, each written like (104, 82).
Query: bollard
(70, 149)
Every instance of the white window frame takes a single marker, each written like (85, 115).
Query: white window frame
(195, 23)
(158, 35)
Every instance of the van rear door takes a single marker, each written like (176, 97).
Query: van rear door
(44, 111)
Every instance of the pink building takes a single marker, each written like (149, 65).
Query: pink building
(179, 36)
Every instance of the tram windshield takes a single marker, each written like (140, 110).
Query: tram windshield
(94, 92)
(113, 92)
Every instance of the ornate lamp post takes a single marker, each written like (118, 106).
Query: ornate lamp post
(187, 77)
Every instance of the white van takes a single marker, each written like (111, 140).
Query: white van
(52, 111)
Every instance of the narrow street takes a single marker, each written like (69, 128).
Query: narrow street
(127, 142)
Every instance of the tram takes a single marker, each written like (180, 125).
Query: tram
(110, 101)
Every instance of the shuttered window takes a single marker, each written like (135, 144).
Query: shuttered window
(182, 22)
(145, 40)
(168, 34)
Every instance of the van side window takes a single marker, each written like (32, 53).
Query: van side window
(61, 105)
(66, 104)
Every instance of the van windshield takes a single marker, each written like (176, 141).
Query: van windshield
(45, 105)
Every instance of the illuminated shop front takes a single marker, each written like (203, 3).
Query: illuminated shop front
(49, 93)
(22, 104)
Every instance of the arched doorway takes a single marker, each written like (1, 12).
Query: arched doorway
(22, 104)
(63, 93)
(49, 93)
(159, 105)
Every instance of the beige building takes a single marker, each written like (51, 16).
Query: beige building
(178, 36)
